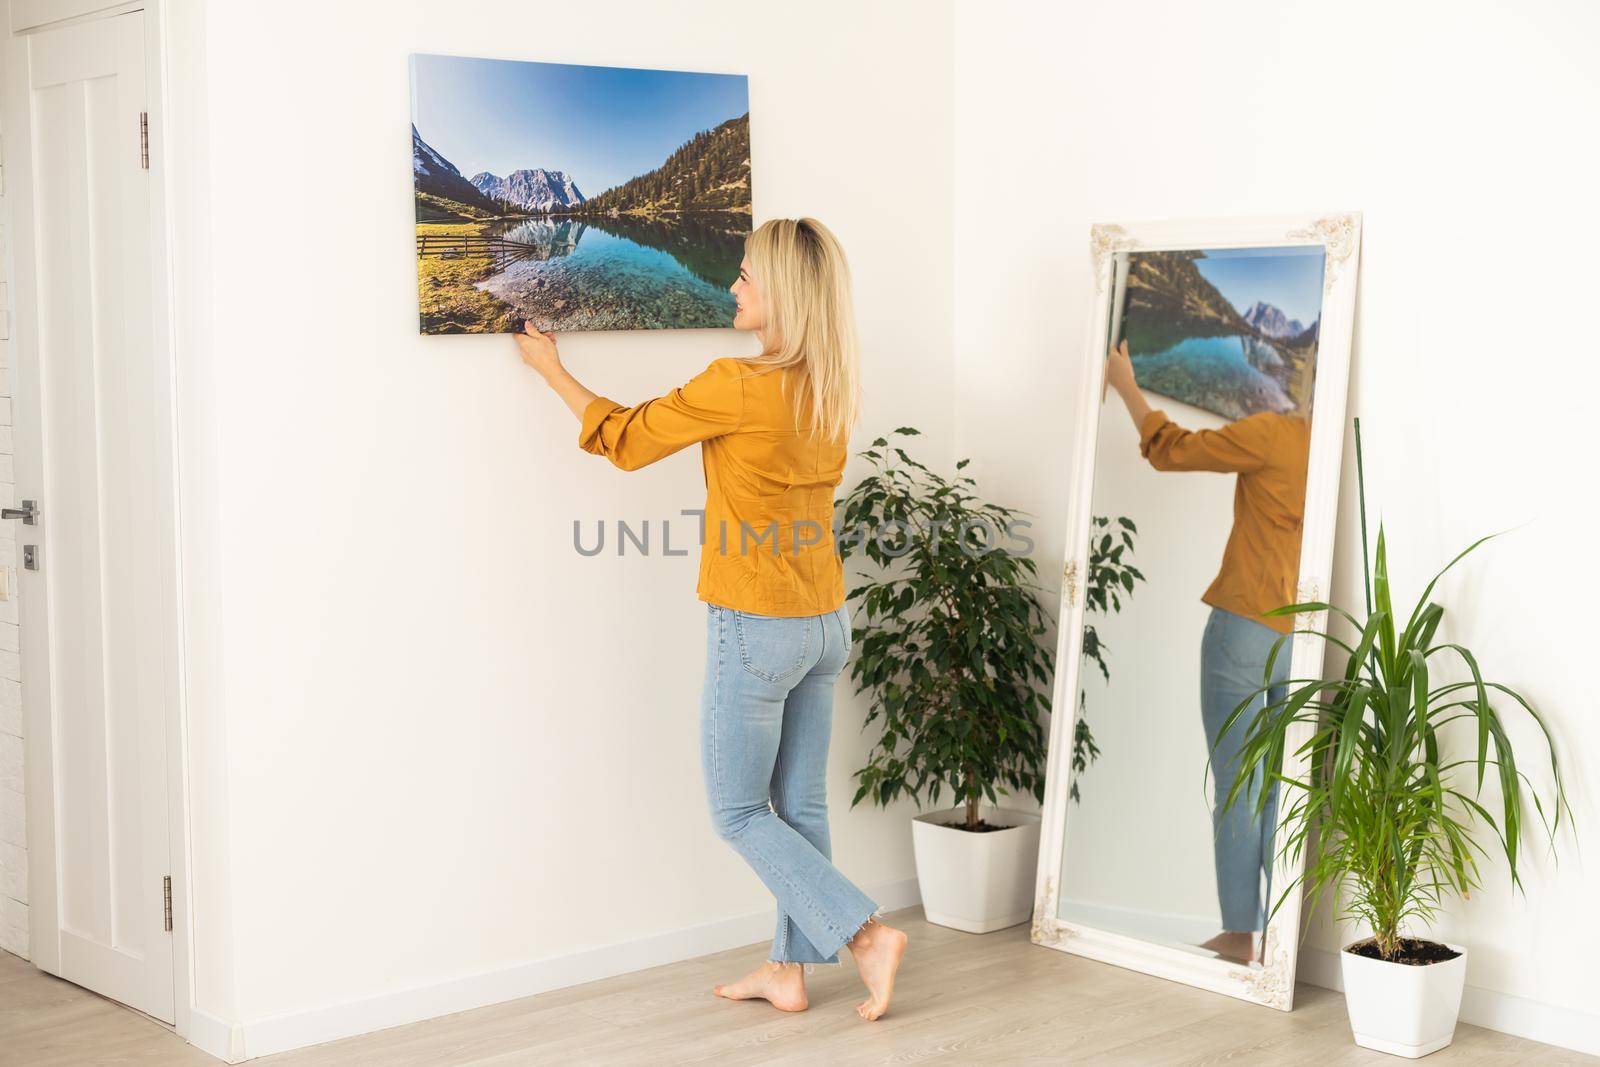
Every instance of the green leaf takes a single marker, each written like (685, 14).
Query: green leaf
(1382, 605)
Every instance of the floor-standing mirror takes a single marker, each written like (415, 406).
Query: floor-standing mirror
(1203, 494)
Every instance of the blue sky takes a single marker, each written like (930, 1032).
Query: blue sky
(602, 125)
(1289, 278)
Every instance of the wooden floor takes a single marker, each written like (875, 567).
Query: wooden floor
(961, 999)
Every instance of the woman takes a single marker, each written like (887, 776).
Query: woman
(773, 432)
(1269, 452)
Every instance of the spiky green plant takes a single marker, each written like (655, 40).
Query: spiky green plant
(1395, 829)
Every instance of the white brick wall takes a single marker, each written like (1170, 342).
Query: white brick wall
(13, 822)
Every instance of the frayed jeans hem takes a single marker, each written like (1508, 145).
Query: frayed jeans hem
(810, 965)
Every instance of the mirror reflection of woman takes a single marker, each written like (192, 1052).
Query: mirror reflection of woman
(1269, 453)
(773, 431)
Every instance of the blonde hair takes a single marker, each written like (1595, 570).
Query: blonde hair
(811, 323)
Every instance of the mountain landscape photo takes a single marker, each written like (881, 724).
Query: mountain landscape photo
(655, 248)
(1222, 330)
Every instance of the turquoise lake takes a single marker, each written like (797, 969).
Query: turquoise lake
(1232, 375)
(621, 273)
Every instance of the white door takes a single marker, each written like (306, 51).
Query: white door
(94, 452)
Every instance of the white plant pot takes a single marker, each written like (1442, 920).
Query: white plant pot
(976, 882)
(1401, 1009)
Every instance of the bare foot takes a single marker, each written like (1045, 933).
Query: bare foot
(877, 950)
(1236, 945)
(782, 984)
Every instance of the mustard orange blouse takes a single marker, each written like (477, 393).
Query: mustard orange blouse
(1261, 563)
(767, 538)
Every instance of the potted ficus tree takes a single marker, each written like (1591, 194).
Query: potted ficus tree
(950, 646)
(1396, 812)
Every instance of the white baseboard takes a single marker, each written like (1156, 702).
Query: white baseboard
(223, 1040)
(280, 1033)
(1488, 1008)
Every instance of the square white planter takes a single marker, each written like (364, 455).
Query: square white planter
(1401, 1009)
(976, 882)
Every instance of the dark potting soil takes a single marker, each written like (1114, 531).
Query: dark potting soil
(1412, 951)
(983, 827)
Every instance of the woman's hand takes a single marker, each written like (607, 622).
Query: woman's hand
(539, 349)
(539, 352)
(1119, 369)
(1119, 376)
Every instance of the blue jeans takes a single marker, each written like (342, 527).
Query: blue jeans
(765, 717)
(1233, 655)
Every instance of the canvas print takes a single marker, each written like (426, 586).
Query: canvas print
(1233, 330)
(582, 198)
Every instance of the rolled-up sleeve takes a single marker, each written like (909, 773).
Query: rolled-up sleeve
(1234, 448)
(708, 405)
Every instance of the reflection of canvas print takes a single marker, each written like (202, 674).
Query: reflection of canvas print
(1233, 331)
(583, 198)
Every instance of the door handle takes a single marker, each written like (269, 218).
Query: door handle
(28, 512)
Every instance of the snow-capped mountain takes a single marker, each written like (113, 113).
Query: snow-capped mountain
(535, 189)
(432, 173)
(425, 162)
(1271, 321)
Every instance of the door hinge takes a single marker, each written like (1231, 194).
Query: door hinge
(144, 153)
(166, 902)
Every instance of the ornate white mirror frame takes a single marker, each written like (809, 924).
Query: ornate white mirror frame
(1272, 983)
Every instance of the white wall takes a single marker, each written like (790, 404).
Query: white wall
(1461, 131)
(446, 744)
